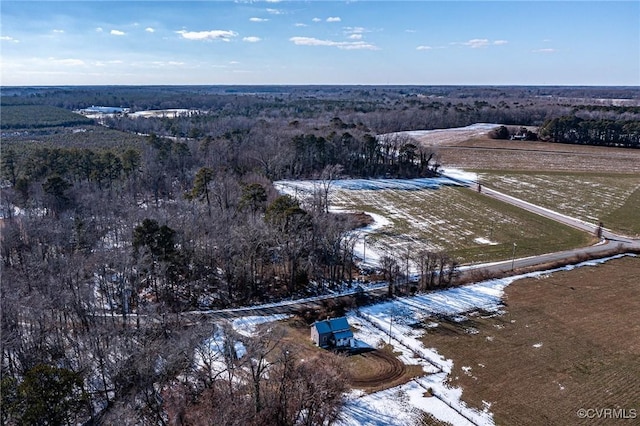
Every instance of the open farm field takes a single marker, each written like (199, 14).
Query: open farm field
(592, 197)
(482, 153)
(468, 225)
(563, 342)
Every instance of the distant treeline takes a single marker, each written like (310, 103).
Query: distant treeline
(77, 165)
(39, 116)
(576, 130)
(363, 156)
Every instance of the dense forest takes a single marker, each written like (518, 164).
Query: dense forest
(604, 132)
(116, 229)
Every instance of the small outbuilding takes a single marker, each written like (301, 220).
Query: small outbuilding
(332, 333)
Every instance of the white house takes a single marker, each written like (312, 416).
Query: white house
(332, 333)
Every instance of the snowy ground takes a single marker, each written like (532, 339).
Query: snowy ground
(448, 136)
(391, 322)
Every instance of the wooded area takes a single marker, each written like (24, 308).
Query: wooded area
(112, 227)
(603, 132)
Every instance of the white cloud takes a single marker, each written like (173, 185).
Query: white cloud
(275, 11)
(251, 39)
(477, 43)
(68, 62)
(300, 24)
(354, 33)
(424, 48)
(99, 30)
(334, 19)
(106, 63)
(117, 32)
(258, 19)
(345, 45)
(223, 35)
(162, 64)
(150, 30)
(317, 20)
(354, 30)
(8, 38)
(58, 31)
(546, 50)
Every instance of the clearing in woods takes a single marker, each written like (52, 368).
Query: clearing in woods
(565, 341)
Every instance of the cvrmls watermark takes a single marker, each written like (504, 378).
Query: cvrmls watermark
(608, 413)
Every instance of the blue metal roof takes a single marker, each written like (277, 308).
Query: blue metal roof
(332, 325)
(322, 327)
(346, 334)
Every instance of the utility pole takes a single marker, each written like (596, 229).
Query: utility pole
(364, 249)
(513, 256)
(406, 268)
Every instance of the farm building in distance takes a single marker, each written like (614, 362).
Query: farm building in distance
(332, 333)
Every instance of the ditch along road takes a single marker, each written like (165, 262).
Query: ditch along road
(610, 243)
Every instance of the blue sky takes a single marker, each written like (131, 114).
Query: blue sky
(320, 42)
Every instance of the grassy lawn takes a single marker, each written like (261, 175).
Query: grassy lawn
(614, 199)
(470, 226)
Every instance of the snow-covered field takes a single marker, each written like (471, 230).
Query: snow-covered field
(391, 322)
(448, 136)
(398, 209)
(430, 214)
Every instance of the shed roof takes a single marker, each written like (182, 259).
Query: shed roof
(322, 326)
(332, 325)
(346, 334)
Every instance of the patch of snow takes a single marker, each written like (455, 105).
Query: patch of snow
(485, 241)
(302, 188)
(537, 345)
(460, 175)
(247, 325)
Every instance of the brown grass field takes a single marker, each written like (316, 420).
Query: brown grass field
(566, 341)
(483, 153)
(592, 183)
